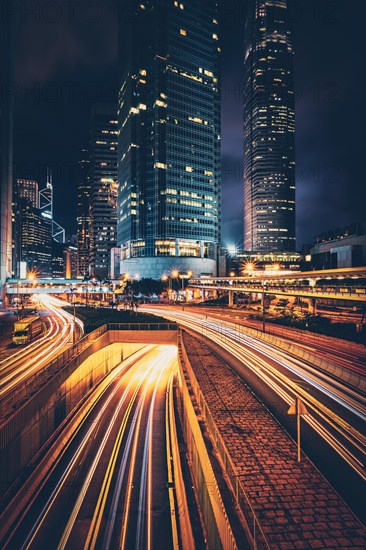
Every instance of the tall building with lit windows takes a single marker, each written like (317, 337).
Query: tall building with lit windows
(269, 129)
(103, 191)
(28, 189)
(83, 218)
(169, 137)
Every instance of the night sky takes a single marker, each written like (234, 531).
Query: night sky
(66, 59)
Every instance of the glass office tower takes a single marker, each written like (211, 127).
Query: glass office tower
(269, 129)
(169, 137)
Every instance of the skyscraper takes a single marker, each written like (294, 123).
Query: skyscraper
(169, 137)
(28, 189)
(83, 217)
(46, 208)
(6, 149)
(103, 194)
(35, 238)
(269, 129)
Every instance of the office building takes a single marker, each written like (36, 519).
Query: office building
(6, 151)
(340, 248)
(28, 189)
(35, 239)
(83, 217)
(58, 259)
(169, 138)
(103, 193)
(46, 208)
(269, 129)
(71, 261)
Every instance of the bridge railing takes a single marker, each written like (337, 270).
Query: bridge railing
(142, 326)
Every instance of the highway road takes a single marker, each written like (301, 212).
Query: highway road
(29, 359)
(111, 486)
(340, 352)
(337, 413)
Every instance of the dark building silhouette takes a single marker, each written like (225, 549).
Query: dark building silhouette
(6, 148)
(269, 129)
(169, 137)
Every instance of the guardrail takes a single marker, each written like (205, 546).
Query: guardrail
(237, 332)
(142, 326)
(255, 531)
(216, 522)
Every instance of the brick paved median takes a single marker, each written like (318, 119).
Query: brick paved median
(295, 505)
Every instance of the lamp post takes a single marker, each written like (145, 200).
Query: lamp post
(263, 308)
(298, 408)
(73, 290)
(174, 274)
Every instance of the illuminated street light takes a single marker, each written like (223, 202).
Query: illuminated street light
(232, 249)
(249, 267)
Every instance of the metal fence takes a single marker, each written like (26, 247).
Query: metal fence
(256, 533)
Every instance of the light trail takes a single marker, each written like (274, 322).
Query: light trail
(30, 360)
(350, 443)
(92, 403)
(90, 541)
(112, 455)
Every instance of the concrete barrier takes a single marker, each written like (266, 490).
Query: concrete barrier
(346, 375)
(217, 525)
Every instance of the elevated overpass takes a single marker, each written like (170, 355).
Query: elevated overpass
(16, 286)
(334, 284)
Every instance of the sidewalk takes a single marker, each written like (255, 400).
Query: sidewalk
(295, 505)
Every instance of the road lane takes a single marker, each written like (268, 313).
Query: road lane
(27, 362)
(111, 485)
(337, 414)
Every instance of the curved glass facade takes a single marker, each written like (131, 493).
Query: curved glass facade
(269, 129)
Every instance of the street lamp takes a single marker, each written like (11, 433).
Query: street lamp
(263, 307)
(299, 409)
(174, 275)
(73, 290)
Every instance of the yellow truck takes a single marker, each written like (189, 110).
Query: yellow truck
(26, 329)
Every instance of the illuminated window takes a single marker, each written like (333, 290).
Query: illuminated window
(183, 32)
(160, 103)
(189, 169)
